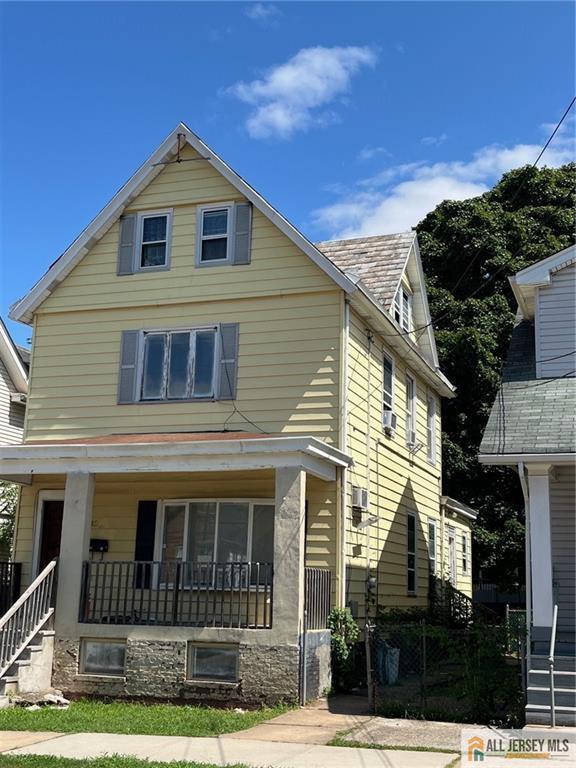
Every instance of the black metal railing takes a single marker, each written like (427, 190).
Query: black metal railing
(10, 574)
(317, 591)
(453, 608)
(176, 593)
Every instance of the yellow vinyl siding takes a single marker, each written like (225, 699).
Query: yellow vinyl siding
(277, 266)
(116, 499)
(399, 481)
(287, 371)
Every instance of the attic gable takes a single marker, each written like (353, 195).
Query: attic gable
(12, 361)
(170, 151)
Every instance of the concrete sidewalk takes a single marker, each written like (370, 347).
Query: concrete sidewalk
(224, 751)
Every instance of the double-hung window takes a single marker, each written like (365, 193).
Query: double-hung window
(431, 429)
(214, 241)
(411, 553)
(464, 553)
(403, 309)
(432, 545)
(410, 410)
(153, 240)
(207, 532)
(179, 365)
(388, 383)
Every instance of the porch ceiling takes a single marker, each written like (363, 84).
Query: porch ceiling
(171, 452)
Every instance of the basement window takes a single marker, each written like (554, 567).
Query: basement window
(103, 657)
(212, 662)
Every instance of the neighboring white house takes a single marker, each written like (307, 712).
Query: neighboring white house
(13, 388)
(532, 427)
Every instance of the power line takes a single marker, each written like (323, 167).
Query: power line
(506, 262)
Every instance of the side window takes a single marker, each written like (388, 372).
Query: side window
(403, 309)
(464, 553)
(411, 553)
(431, 429)
(432, 545)
(410, 410)
(388, 383)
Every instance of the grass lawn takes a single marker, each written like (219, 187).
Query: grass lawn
(41, 761)
(122, 717)
(340, 741)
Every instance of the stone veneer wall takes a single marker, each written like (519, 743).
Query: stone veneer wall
(156, 669)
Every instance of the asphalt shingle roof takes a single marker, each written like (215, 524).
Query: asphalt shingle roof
(379, 261)
(530, 415)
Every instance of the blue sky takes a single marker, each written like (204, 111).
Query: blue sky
(351, 118)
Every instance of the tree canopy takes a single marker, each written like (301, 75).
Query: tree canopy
(469, 249)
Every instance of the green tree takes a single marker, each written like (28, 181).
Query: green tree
(8, 503)
(469, 249)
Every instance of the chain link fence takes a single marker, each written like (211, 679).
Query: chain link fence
(422, 670)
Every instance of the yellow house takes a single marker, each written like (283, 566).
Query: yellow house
(229, 430)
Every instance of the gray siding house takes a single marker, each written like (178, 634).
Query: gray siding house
(532, 427)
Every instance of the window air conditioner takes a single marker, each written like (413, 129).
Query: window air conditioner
(359, 498)
(389, 422)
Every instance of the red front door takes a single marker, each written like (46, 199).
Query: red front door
(51, 531)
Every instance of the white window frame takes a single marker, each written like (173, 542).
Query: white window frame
(431, 428)
(202, 209)
(411, 413)
(161, 517)
(189, 329)
(403, 308)
(414, 517)
(385, 406)
(168, 212)
(191, 660)
(465, 556)
(433, 551)
(452, 555)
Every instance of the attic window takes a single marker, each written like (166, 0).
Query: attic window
(153, 240)
(403, 309)
(215, 237)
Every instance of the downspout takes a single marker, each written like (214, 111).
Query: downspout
(344, 449)
(368, 590)
(528, 560)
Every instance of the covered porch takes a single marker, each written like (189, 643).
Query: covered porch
(177, 540)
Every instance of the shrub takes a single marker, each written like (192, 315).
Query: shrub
(344, 635)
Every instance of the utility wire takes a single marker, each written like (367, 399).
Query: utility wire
(506, 262)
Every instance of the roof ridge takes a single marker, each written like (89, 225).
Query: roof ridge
(390, 235)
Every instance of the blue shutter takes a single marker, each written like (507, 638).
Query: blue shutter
(126, 245)
(242, 233)
(229, 333)
(128, 362)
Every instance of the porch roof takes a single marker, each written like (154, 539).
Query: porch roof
(170, 452)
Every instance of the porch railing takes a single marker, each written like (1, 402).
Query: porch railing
(176, 593)
(10, 574)
(26, 617)
(317, 591)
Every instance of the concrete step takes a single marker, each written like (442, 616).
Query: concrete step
(540, 678)
(561, 663)
(539, 714)
(563, 697)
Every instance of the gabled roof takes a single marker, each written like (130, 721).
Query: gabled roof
(23, 309)
(525, 282)
(378, 263)
(530, 415)
(12, 361)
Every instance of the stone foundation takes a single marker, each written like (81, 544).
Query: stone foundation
(317, 663)
(156, 669)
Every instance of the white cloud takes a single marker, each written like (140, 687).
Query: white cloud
(433, 141)
(367, 153)
(263, 12)
(398, 197)
(291, 96)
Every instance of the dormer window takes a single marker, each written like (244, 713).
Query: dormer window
(403, 309)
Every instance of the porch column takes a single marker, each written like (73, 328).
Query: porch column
(540, 546)
(74, 548)
(289, 543)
